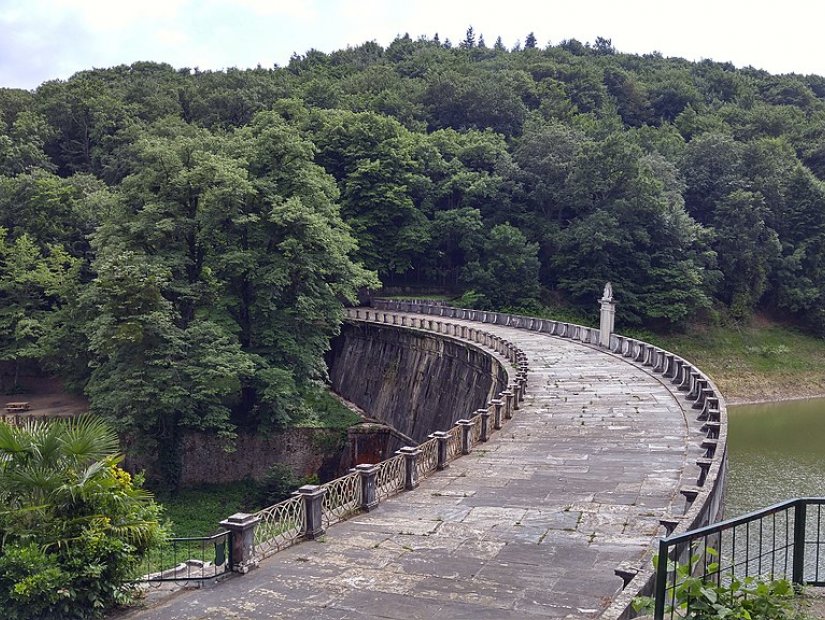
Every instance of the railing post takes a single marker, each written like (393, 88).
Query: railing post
(497, 403)
(798, 574)
(410, 466)
(521, 377)
(313, 495)
(517, 394)
(466, 428)
(242, 541)
(442, 439)
(484, 435)
(508, 399)
(369, 492)
(661, 582)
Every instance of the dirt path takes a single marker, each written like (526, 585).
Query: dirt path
(46, 396)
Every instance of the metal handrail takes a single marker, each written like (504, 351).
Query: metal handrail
(188, 558)
(782, 541)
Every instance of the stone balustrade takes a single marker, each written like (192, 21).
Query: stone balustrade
(313, 508)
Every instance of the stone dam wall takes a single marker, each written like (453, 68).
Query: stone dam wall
(411, 380)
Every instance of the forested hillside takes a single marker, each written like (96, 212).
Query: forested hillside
(178, 243)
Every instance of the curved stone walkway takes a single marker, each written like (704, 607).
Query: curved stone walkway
(531, 524)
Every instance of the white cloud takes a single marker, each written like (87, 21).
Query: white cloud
(44, 39)
(304, 10)
(104, 16)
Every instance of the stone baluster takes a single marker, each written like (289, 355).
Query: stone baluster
(705, 391)
(466, 432)
(661, 362)
(630, 345)
(684, 386)
(410, 466)
(241, 528)
(313, 495)
(368, 474)
(670, 366)
(442, 438)
(497, 404)
(484, 435)
(676, 372)
(508, 399)
(695, 377)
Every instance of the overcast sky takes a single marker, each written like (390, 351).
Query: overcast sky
(48, 39)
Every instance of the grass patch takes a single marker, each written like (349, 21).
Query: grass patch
(197, 512)
(565, 314)
(326, 411)
(762, 361)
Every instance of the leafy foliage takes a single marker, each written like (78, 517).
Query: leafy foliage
(74, 525)
(697, 598)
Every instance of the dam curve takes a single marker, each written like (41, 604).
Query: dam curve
(553, 517)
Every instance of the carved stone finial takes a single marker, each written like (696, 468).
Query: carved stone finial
(608, 292)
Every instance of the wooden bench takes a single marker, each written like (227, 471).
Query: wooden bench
(17, 407)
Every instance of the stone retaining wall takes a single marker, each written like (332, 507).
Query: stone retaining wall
(204, 459)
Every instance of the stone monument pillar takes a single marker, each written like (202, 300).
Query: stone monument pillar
(608, 316)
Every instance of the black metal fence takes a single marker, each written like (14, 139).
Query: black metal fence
(784, 541)
(197, 558)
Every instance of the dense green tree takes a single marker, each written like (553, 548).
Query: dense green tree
(457, 239)
(631, 101)
(22, 146)
(507, 274)
(637, 235)
(378, 169)
(747, 250)
(54, 210)
(469, 41)
(712, 167)
(216, 295)
(34, 286)
(302, 253)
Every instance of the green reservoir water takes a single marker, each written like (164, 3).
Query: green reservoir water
(775, 451)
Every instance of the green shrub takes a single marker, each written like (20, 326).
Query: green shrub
(278, 484)
(74, 525)
(31, 584)
(697, 598)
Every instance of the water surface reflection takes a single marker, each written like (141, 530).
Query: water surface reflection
(775, 451)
